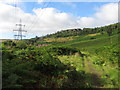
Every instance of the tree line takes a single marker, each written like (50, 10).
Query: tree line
(109, 29)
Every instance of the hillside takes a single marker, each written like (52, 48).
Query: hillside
(2, 40)
(84, 31)
(74, 58)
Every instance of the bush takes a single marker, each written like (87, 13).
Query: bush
(63, 50)
(48, 64)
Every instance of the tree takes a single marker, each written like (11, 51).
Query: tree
(109, 32)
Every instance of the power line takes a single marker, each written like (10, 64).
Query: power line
(19, 35)
(36, 19)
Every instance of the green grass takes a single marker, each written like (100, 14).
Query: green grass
(81, 62)
(100, 51)
(73, 60)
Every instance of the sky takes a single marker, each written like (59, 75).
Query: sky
(42, 18)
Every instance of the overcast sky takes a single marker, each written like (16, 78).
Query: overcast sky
(43, 18)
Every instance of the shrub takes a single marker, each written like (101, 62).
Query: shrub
(63, 50)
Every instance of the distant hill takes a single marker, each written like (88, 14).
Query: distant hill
(85, 31)
(2, 40)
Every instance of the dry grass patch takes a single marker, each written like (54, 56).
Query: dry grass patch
(58, 39)
(93, 34)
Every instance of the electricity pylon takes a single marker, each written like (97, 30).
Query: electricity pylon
(19, 35)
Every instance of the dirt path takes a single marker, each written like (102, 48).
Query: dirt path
(94, 74)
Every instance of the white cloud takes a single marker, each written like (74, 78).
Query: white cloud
(108, 13)
(10, 1)
(49, 20)
(86, 21)
(51, 17)
(40, 1)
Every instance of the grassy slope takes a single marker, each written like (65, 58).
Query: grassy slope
(94, 60)
(84, 41)
(98, 72)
